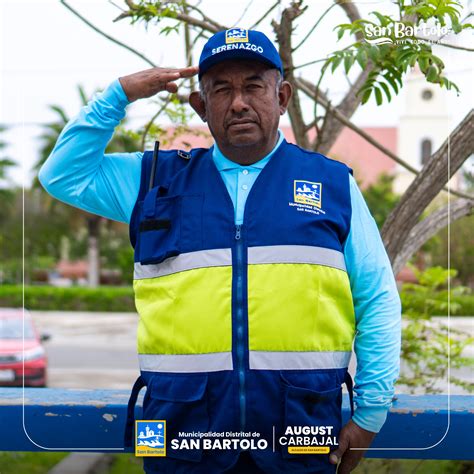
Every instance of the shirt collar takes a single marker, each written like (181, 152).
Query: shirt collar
(223, 163)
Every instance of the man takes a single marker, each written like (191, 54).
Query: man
(257, 263)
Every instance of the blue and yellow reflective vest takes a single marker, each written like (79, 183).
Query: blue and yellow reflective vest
(242, 327)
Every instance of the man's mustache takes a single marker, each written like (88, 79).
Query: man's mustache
(240, 120)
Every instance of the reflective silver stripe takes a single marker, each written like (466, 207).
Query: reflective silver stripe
(186, 363)
(297, 254)
(266, 360)
(184, 261)
(259, 360)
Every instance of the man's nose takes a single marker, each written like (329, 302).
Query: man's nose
(239, 102)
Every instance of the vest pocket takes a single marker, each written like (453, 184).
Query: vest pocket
(168, 226)
(304, 406)
(180, 399)
(159, 230)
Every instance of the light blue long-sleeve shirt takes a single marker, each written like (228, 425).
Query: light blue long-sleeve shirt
(79, 173)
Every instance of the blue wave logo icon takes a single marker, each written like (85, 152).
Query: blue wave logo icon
(150, 438)
(236, 35)
(307, 192)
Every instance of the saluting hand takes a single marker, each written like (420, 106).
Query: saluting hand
(151, 81)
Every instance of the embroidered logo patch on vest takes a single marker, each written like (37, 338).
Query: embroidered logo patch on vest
(307, 196)
(307, 192)
(236, 35)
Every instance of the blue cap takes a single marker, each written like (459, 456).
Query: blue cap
(238, 43)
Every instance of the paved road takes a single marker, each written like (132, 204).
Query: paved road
(97, 350)
(90, 350)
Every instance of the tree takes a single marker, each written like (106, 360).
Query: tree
(7, 199)
(121, 141)
(380, 198)
(382, 64)
(426, 341)
(375, 64)
(461, 246)
(459, 240)
(6, 193)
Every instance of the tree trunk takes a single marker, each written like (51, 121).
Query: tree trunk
(429, 227)
(333, 126)
(283, 32)
(434, 175)
(93, 227)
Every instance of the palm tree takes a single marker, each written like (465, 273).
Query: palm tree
(6, 193)
(7, 201)
(121, 141)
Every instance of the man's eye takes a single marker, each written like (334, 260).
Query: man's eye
(254, 86)
(221, 90)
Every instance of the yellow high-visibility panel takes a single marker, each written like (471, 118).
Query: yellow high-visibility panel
(185, 313)
(299, 307)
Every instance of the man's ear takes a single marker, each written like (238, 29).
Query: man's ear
(284, 95)
(196, 102)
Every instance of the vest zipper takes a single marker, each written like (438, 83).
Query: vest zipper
(240, 323)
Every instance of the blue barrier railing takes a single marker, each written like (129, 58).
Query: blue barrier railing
(93, 420)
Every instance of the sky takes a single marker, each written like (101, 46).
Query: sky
(46, 51)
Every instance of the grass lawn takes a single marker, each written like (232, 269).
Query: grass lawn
(413, 466)
(28, 463)
(126, 464)
(41, 463)
(129, 464)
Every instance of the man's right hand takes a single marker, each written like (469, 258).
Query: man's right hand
(151, 81)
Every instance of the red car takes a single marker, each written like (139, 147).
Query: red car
(16, 350)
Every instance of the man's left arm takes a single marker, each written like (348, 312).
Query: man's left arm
(378, 328)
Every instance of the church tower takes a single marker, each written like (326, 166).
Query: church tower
(424, 125)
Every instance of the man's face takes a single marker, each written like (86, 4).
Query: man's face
(242, 103)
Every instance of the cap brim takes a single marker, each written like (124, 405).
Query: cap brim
(233, 54)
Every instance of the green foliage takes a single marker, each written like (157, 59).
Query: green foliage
(116, 251)
(6, 193)
(441, 10)
(52, 233)
(427, 342)
(412, 466)
(29, 463)
(98, 299)
(5, 163)
(468, 176)
(459, 239)
(390, 56)
(125, 263)
(179, 115)
(123, 140)
(155, 11)
(380, 198)
(126, 464)
(461, 254)
(50, 298)
(52, 130)
(462, 303)
(42, 235)
(41, 463)
(177, 112)
(129, 464)
(47, 223)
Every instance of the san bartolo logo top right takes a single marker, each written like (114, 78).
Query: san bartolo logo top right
(398, 32)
